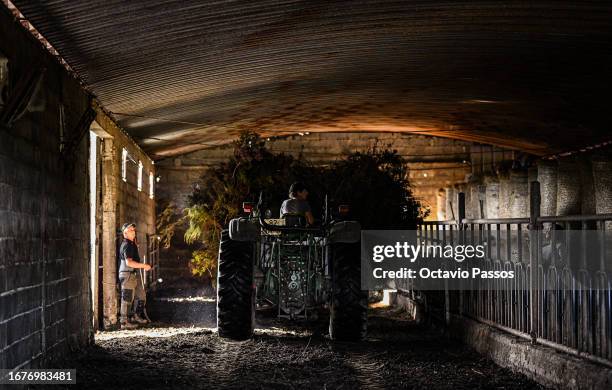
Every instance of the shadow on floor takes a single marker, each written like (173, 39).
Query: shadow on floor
(396, 354)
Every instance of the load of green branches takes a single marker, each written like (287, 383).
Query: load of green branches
(374, 184)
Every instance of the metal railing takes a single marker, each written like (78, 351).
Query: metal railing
(566, 304)
(152, 258)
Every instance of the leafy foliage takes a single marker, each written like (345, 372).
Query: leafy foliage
(374, 184)
(167, 223)
(376, 187)
(202, 264)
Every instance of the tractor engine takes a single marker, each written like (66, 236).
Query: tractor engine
(293, 283)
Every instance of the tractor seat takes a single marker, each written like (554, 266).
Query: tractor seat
(294, 220)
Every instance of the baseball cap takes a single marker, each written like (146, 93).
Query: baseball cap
(127, 225)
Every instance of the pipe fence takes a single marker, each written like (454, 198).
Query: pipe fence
(566, 303)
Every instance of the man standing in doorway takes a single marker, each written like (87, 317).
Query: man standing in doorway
(131, 283)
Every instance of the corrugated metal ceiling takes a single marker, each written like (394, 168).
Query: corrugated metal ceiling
(180, 75)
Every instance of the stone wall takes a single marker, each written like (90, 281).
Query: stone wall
(569, 185)
(44, 232)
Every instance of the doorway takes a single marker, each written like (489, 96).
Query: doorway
(95, 223)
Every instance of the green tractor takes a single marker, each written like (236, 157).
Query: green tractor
(296, 270)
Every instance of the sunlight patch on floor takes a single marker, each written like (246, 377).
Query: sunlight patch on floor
(276, 331)
(187, 299)
(151, 332)
(386, 301)
(160, 332)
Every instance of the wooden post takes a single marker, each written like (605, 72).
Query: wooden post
(461, 237)
(461, 207)
(110, 172)
(534, 227)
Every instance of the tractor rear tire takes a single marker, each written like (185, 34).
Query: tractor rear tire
(348, 318)
(235, 292)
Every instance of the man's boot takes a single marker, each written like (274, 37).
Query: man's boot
(128, 325)
(139, 317)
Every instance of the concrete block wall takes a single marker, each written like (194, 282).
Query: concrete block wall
(587, 185)
(491, 184)
(602, 178)
(602, 184)
(568, 187)
(136, 205)
(44, 242)
(547, 176)
(176, 183)
(518, 191)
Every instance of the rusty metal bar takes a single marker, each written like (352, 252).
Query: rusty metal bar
(450, 222)
(576, 218)
(495, 221)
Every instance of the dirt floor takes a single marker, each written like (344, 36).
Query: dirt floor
(184, 352)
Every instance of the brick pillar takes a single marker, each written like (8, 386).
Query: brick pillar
(110, 174)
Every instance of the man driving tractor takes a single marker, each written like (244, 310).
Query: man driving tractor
(297, 205)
